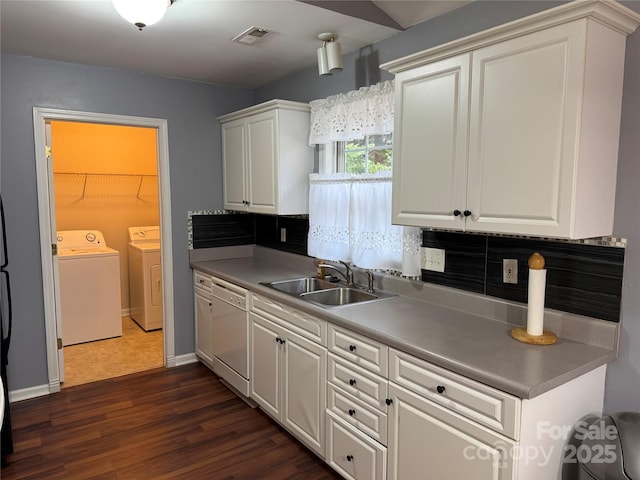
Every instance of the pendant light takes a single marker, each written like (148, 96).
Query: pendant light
(329, 55)
(142, 13)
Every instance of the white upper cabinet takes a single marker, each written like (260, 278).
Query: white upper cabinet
(430, 150)
(514, 130)
(267, 159)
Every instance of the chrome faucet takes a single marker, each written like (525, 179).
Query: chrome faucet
(347, 274)
(370, 281)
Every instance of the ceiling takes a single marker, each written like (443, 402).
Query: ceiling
(193, 40)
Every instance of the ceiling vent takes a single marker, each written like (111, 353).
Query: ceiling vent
(250, 36)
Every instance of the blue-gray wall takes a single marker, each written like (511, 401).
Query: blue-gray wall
(195, 170)
(194, 148)
(623, 379)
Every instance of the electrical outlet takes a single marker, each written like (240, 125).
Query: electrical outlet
(283, 234)
(509, 270)
(432, 259)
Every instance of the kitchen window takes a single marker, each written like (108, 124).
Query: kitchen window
(350, 196)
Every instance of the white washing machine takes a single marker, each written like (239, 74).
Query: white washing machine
(145, 277)
(89, 274)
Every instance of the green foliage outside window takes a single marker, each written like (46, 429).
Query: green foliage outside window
(371, 155)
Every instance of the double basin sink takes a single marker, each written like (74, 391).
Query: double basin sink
(324, 293)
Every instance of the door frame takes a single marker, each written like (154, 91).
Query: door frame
(40, 118)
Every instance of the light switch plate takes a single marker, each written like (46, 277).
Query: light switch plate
(432, 259)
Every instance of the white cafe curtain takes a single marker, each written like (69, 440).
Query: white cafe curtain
(352, 115)
(350, 215)
(350, 220)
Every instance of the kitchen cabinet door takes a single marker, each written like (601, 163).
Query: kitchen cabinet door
(203, 327)
(265, 365)
(427, 441)
(262, 161)
(234, 167)
(304, 377)
(430, 144)
(526, 95)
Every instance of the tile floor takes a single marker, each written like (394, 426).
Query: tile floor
(135, 351)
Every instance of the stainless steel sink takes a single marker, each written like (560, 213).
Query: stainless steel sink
(325, 294)
(339, 296)
(301, 286)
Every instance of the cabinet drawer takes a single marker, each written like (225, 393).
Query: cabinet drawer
(352, 454)
(202, 281)
(369, 420)
(485, 405)
(359, 349)
(360, 383)
(308, 326)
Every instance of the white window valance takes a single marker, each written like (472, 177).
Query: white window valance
(350, 220)
(352, 115)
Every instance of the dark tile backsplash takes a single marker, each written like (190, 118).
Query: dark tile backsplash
(269, 233)
(583, 279)
(464, 262)
(221, 230)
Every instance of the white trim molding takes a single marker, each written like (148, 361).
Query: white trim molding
(40, 118)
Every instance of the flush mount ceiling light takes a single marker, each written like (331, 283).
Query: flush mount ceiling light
(329, 55)
(142, 12)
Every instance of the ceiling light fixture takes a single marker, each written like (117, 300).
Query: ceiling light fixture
(142, 12)
(329, 55)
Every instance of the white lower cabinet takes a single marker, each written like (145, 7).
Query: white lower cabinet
(428, 441)
(288, 379)
(377, 413)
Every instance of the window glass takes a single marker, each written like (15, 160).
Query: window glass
(369, 155)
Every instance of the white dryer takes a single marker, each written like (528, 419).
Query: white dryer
(89, 272)
(145, 277)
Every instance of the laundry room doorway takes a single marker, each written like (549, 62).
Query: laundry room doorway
(106, 186)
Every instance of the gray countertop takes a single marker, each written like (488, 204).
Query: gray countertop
(469, 344)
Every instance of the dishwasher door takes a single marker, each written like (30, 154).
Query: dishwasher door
(230, 329)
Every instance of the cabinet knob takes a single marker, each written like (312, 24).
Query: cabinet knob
(201, 281)
(440, 388)
(456, 213)
(210, 304)
(467, 213)
(352, 348)
(388, 401)
(352, 381)
(352, 412)
(349, 458)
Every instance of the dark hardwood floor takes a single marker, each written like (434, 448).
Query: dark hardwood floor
(178, 423)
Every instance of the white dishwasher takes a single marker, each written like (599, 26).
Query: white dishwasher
(230, 334)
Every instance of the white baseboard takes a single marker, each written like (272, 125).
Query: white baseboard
(28, 393)
(42, 390)
(125, 312)
(184, 359)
